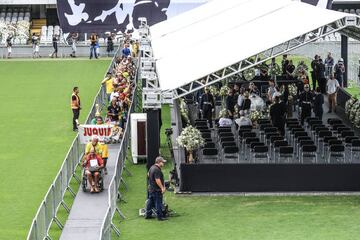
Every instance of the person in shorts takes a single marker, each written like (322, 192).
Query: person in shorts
(93, 163)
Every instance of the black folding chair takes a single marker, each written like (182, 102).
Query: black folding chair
(209, 155)
(308, 152)
(286, 153)
(260, 153)
(231, 154)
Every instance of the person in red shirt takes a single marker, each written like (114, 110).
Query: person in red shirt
(92, 164)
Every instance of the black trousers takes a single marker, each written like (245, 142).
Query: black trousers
(76, 114)
(305, 113)
(207, 114)
(314, 80)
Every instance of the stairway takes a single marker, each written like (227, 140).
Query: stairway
(36, 26)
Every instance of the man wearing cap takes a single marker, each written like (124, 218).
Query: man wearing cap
(339, 71)
(305, 101)
(156, 189)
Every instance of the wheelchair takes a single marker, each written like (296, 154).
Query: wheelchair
(84, 182)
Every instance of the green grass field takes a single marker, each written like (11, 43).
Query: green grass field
(37, 130)
(237, 217)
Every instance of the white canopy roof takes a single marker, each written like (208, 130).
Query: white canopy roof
(221, 33)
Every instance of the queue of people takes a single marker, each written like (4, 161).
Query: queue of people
(119, 85)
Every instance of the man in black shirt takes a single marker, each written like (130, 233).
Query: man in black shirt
(113, 111)
(277, 114)
(305, 100)
(156, 189)
(207, 105)
(230, 103)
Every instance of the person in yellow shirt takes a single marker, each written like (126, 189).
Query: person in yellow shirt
(109, 84)
(93, 144)
(135, 48)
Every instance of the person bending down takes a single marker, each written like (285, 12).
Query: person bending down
(93, 163)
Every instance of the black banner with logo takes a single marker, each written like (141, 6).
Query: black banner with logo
(108, 15)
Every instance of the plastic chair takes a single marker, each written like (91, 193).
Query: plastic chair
(260, 154)
(209, 155)
(336, 153)
(308, 152)
(355, 151)
(286, 153)
(231, 155)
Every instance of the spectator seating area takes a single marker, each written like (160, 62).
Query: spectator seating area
(15, 21)
(316, 142)
(47, 33)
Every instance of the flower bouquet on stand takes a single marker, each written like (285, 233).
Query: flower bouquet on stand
(255, 116)
(184, 112)
(349, 105)
(190, 139)
(224, 90)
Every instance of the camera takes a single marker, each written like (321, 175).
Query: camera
(168, 131)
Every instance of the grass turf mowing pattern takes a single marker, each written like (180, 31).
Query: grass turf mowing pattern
(237, 217)
(37, 131)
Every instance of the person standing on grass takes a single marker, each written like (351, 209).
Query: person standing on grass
(55, 46)
(74, 37)
(332, 88)
(9, 45)
(156, 189)
(110, 44)
(93, 42)
(75, 107)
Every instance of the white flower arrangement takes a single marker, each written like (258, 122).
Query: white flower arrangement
(354, 109)
(184, 111)
(224, 90)
(349, 104)
(214, 91)
(255, 115)
(274, 69)
(223, 112)
(301, 67)
(293, 89)
(190, 138)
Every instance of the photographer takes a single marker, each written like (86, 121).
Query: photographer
(156, 189)
(339, 71)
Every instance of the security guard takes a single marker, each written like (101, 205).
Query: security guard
(207, 105)
(305, 101)
(75, 106)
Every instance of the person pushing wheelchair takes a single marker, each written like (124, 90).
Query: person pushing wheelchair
(93, 164)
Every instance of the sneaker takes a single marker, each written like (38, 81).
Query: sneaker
(162, 219)
(149, 217)
(105, 171)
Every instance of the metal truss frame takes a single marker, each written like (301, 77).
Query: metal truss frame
(349, 26)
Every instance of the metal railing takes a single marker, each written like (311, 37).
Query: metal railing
(54, 197)
(114, 194)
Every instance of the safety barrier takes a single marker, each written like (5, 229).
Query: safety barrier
(114, 194)
(54, 197)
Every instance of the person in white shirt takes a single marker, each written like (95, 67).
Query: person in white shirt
(240, 99)
(332, 88)
(243, 120)
(225, 121)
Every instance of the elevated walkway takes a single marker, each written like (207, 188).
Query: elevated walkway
(89, 209)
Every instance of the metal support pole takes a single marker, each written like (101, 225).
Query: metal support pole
(58, 223)
(344, 55)
(65, 206)
(120, 213)
(116, 230)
